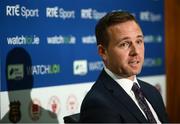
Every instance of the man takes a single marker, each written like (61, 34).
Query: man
(113, 98)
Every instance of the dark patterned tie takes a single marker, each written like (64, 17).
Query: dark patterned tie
(142, 103)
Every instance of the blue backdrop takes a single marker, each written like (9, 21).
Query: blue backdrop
(59, 37)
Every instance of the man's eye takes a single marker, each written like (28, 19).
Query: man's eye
(139, 41)
(124, 45)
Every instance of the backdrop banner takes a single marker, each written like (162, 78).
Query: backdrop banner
(49, 57)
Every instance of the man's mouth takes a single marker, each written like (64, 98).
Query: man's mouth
(134, 63)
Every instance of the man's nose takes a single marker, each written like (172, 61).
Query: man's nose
(134, 50)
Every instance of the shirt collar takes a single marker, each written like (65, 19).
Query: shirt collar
(125, 83)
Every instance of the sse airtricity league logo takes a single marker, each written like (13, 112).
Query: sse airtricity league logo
(80, 67)
(15, 72)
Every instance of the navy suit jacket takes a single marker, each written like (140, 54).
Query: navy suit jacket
(108, 102)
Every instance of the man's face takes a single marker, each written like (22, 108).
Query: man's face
(124, 55)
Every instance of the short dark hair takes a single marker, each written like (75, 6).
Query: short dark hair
(111, 18)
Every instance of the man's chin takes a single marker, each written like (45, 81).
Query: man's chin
(135, 72)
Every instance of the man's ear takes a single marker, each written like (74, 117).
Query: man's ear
(102, 52)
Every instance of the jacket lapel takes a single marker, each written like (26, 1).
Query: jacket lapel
(122, 97)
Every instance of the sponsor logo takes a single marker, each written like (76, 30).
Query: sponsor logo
(43, 69)
(72, 104)
(14, 112)
(80, 67)
(152, 39)
(91, 14)
(26, 40)
(61, 40)
(150, 16)
(54, 106)
(89, 39)
(95, 66)
(22, 11)
(150, 62)
(56, 12)
(35, 109)
(15, 72)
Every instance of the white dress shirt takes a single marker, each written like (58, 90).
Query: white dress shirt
(127, 84)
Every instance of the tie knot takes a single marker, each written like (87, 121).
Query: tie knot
(137, 91)
(135, 88)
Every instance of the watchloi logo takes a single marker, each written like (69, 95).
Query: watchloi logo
(61, 39)
(34, 40)
(152, 62)
(80, 67)
(23, 11)
(16, 71)
(89, 39)
(43, 69)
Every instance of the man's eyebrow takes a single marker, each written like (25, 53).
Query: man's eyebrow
(121, 40)
(127, 38)
(124, 38)
(140, 36)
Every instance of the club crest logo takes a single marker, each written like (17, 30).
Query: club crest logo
(72, 104)
(15, 112)
(35, 109)
(54, 106)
